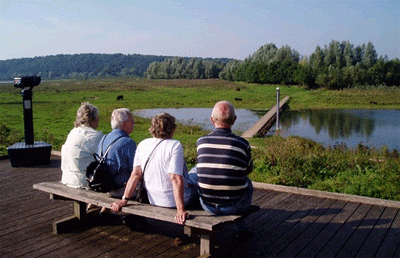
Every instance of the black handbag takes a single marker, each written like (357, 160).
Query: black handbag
(97, 172)
(141, 192)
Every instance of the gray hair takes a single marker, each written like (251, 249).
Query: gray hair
(86, 114)
(224, 113)
(119, 116)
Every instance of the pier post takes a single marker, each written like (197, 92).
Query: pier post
(277, 108)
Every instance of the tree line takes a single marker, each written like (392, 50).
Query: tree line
(78, 66)
(181, 68)
(337, 65)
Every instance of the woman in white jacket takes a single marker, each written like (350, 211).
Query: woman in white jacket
(82, 142)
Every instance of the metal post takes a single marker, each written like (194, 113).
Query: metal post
(277, 108)
(28, 118)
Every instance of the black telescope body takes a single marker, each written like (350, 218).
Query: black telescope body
(29, 82)
(30, 153)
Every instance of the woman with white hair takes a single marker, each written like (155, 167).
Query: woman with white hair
(77, 151)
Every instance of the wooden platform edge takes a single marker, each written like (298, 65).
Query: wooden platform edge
(330, 195)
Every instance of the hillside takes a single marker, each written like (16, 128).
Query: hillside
(77, 66)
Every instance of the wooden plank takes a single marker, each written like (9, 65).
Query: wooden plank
(23, 242)
(301, 222)
(84, 240)
(391, 241)
(323, 237)
(109, 243)
(371, 245)
(352, 244)
(265, 122)
(264, 238)
(271, 221)
(324, 194)
(303, 240)
(63, 245)
(142, 245)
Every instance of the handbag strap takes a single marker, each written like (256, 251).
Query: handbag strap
(147, 161)
(109, 146)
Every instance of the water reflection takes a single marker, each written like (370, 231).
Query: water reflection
(369, 127)
(338, 123)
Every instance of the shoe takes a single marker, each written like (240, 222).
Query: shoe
(135, 223)
(244, 236)
(110, 219)
(181, 240)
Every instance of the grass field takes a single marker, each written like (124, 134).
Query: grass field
(292, 161)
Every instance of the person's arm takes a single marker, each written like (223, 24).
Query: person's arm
(129, 189)
(177, 183)
(249, 167)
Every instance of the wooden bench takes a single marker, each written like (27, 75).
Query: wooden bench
(200, 222)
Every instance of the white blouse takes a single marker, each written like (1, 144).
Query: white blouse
(77, 153)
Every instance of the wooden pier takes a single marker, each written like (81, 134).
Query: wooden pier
(291, 222)
(264, 124)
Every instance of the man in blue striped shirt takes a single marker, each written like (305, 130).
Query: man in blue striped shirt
(223, 163)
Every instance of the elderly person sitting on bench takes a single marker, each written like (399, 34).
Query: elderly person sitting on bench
(77, 151)
(165, 176)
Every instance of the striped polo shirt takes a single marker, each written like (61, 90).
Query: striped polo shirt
(223, 162)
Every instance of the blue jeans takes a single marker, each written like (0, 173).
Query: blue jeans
(191, 191)
(238, 207)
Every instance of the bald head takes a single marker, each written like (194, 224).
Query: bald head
(223, 115)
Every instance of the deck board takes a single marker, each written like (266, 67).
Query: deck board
(290, 223)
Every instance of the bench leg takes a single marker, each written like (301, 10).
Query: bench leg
(206, 239)
(80, 210)
(206, 244)
(72, 222)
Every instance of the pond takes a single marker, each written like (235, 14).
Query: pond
(372, 128)
(201, 117)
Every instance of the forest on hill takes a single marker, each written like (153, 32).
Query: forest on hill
(337, 65)
(77, 66)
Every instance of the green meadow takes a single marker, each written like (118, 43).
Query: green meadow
(288, 161)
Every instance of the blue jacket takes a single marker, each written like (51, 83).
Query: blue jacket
(119, 157)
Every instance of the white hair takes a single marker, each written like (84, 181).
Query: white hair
(224, 113)
(119, 116)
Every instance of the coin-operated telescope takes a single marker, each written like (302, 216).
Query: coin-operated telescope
(28, 153)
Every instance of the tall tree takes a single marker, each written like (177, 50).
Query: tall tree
(370, 56)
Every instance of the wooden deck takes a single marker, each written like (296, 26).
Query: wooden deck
(292, 222)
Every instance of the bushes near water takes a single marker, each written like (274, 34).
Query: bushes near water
(303, 163)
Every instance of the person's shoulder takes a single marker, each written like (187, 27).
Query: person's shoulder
(175, 142)
(127, 140)
(98, 136)
(96, 133)
(243, 140)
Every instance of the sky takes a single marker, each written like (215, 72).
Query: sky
(201, 28)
